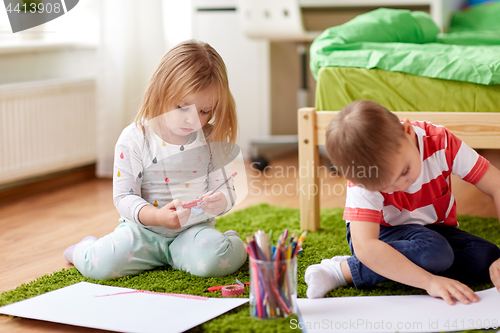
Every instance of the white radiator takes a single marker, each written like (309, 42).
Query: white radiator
(46, 126)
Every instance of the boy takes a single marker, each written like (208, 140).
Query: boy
(401, 216)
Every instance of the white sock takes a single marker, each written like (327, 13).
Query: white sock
(321, 278)
(68, 253)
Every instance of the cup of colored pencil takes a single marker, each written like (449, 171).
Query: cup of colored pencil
(273, 274)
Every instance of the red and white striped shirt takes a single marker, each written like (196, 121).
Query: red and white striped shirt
(428, 200)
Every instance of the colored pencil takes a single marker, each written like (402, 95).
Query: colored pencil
(270, 266)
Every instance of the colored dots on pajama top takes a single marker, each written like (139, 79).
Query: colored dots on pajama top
(167, 180)
(118, 174)
(187, 185)
(122, 156)
(155, 161)
(155, 204)
(163, 144)
(131, 191)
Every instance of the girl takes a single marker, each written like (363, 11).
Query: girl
(167, 158)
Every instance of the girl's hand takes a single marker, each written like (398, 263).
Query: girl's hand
(214, 204)
(449, 290)
(495, 274)
(171, 218)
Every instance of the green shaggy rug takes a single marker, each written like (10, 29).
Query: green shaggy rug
(327, 242)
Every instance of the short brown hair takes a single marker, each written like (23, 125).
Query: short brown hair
(190, 67)
(361, 142)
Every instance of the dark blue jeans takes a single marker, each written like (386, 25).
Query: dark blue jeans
(439, 249)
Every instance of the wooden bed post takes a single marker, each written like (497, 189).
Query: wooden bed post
(308, 170)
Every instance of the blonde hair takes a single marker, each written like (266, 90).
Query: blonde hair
(364, 136)
(187, 68)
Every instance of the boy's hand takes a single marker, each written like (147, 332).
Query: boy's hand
(214, 204)
(449, 290)
(171, 218)
(495, 273)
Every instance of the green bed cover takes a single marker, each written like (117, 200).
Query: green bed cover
(399, 40)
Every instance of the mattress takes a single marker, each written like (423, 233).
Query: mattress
(338, 86)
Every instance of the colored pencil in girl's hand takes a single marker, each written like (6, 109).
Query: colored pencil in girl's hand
(232, 176)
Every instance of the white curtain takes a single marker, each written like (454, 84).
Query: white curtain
(132, 43)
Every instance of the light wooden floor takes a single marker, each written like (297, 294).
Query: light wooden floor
(37, 229)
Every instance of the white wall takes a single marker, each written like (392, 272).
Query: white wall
(247, 62)
(177, 24)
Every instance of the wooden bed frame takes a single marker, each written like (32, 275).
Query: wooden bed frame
(479, 130)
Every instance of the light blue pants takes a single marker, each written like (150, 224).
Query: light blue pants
(130, 249)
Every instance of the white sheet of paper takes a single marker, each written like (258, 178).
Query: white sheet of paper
(138, 312)
(416, 313)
